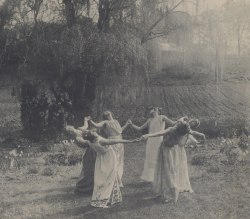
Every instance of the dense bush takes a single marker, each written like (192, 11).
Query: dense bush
(41, 117)
(63, 159)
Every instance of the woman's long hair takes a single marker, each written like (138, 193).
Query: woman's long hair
(90, 136)
(105, 114)
(182, 128)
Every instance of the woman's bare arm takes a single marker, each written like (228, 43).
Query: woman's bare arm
(139, 128)
(168, 121)
(72, 131)
(161, 133)
(104, 141)
(125, 126)
(198, 134)
(85, 125)
(97, 125)
(82, 143)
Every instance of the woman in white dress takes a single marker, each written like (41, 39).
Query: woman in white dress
(171, 172)
(111, 129)
(181, 158)
(106, 180)
(154, 124)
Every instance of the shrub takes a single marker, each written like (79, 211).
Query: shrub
(34, 108)
(41, 117)
(48, 171)
(74, 159)
(63, 159)
(199, 160)
(214, 169)
(33, 170)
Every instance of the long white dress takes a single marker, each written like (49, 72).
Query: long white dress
(156, 124)
(182, 164)
(106, 184)
(172, 167)
(113, 130)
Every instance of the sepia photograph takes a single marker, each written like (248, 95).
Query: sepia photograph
(124, 109)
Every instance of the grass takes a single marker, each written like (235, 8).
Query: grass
(217, 194)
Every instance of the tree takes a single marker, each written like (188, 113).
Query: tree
(7, 10)
(161, 12)
(237, 18)
(70, 13)
(35, 6)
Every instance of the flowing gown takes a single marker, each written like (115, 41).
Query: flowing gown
(113, 130)
(182, 164)
(171, 168)
(85, 183)
(156, 124)
(106, 184)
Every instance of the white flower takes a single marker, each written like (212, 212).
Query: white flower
(13, 153)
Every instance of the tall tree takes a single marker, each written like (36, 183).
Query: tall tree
(237, 18)
(35, 6)
(70, 12)
(7, 10)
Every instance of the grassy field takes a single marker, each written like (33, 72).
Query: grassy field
(220, 190)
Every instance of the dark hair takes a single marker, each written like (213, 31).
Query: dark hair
(182, 128)
(159, 109)
(194, 123)
(90, 136)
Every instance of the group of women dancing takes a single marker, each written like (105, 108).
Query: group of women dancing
(165, 164)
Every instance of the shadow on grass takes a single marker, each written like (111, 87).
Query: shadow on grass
(65, 189)
(138, 185)
(68, 195)
(132, 201)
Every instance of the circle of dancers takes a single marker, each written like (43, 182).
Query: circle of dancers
(165, 164)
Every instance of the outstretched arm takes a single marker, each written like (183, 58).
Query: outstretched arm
(97, 125)
(85, 124)
(168, 121)
(104, 141)
(125, 126)
(161, 133)
(72, 131)
(139, 128)
(81, 142)
(198, 134)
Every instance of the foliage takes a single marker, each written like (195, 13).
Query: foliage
(10, 160)
(33, 170)
(199, 160)
(42, 118)
(48, 171)
(64, 159)
(236, 150)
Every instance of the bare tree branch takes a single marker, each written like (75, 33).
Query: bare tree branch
(146, 35)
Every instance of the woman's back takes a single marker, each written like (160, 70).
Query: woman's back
(112, 128)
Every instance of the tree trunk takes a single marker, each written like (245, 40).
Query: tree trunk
(70, 12)
(239, 44)
(104, 15)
